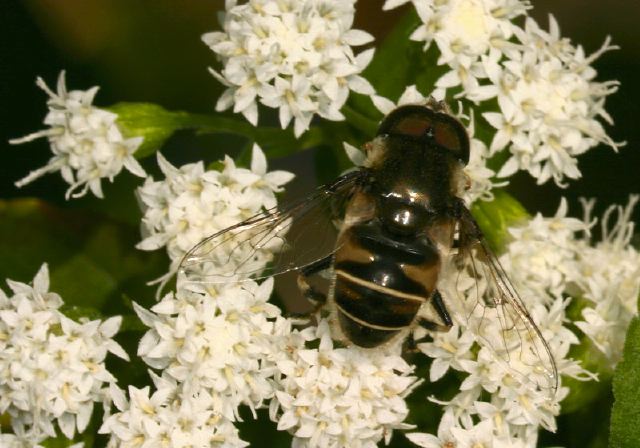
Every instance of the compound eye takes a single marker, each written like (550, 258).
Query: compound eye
(450, 135)
(420, 122)
(410, 120)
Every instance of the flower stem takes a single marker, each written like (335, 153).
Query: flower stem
(157, 124)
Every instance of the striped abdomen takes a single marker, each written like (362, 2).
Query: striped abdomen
(381, 282)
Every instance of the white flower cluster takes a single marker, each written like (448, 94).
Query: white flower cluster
(466, 32)
(293, 55)
(553, 257)
(219, 350)
(218, 341)
(13, 441)
(516, 407)
(169, 417)
(86, 142)
(520, 388)
(481, 435)
(333, 397)
(192, 203)
(551, 263)
(543, 254)
(609, 279)
(213, 344)
(51, 367)
(549, 104)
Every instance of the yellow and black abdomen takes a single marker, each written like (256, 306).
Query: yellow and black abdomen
(381, 282)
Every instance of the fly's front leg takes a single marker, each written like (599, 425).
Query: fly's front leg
(469, 230)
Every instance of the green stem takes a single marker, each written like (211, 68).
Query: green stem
(275, 142)
(360, 121)
(157, 124)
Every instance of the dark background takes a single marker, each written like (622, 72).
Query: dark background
(150, 50)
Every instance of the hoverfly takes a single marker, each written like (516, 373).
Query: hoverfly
(401, 214)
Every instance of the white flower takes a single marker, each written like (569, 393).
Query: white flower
(295, 56)
(168, 417)
(216, 349)
(466, 32)
(390, 4)
(86, 142)
(492, 430)
(609, 279)
(444, 438)
(339, 397)
(410, 95)
(215, 341)
(510, 366)
(51, 368)
(549, 258)
(549, 105)
(543, 253)
(191, 204)
(447, 350)
(479, 436)
(479, 175)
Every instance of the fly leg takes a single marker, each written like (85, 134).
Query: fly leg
(309, 292)
(438, 318)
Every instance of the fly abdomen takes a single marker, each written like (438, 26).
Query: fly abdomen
(363, 334)
(381, 283)
(375, 304)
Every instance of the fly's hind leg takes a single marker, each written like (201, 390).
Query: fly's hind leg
(437, 318)
(434, 317)
(317, 298)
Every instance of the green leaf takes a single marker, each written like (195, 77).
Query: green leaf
(63, 442)
(157, 124)
(363, 123)
(583, 394)
(398, 63)
(495, 217)
(261, 431)
(150, 121)
(92, 260)
(625, 415)
(79, 312)
(275, 142)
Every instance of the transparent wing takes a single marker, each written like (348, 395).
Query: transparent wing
(497, 315)
(273, 241)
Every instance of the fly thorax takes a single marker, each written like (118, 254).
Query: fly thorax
(403, 218)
